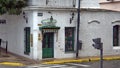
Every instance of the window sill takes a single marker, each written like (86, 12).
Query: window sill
(116, 47)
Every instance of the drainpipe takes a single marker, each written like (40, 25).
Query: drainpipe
(78, 26)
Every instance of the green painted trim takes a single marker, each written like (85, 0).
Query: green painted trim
(48, 51)
(49, 27)
(70, 39)
(27, 31)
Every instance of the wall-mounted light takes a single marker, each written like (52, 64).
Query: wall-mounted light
(47, 2)
(25, 17)
(74, 3)
(72, 17)
(49, 12)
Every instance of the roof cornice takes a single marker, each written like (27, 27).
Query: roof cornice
(35, 8)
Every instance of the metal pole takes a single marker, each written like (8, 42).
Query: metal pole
(101, 56)
(0, 48)
(6, 47)
(78, 25)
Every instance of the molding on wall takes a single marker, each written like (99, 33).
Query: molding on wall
(117, 21)
(96, 21)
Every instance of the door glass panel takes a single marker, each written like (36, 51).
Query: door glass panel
(48, 40)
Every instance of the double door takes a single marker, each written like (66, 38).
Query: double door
(47, 46)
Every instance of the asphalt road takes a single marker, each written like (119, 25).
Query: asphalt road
(107, 64)
(2, 66)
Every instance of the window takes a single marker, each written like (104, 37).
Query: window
(116, 35)
(69, 39)
(27, 40)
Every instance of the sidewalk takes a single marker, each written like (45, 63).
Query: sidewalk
(15, 60)
(10, 59)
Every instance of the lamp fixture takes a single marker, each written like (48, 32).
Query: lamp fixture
(72, 14)
(25, 17)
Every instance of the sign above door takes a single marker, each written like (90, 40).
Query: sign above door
(49, 25)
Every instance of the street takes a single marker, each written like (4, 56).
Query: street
(107, 64)
(2, 66)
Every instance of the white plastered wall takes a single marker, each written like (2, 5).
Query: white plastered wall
(103, 30)
(13, 32)
(89, 4)
(63, 20)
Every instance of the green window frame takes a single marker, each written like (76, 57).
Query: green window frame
(69, 39)
(27, 40)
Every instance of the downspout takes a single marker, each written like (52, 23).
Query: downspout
(78, 26)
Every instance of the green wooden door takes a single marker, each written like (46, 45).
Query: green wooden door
(47, 47)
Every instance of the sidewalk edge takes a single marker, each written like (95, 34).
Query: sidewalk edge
(80, 60)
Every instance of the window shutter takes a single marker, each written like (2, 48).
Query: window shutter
(27, 40)
(69, 38)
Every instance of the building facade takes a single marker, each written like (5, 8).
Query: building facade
(47, 29)
(110, 4)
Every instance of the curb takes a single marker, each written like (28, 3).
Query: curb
(112, 58)
(11, 64)
(80, 60)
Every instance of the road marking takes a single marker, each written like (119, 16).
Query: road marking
(32, 66)
(67, 65)
(57, 66)
(48, 66)
(79, 65)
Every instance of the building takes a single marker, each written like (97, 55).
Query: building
(110, 4)
(47, 29)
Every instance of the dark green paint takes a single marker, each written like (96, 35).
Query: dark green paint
(47, 47)
(27, 40)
